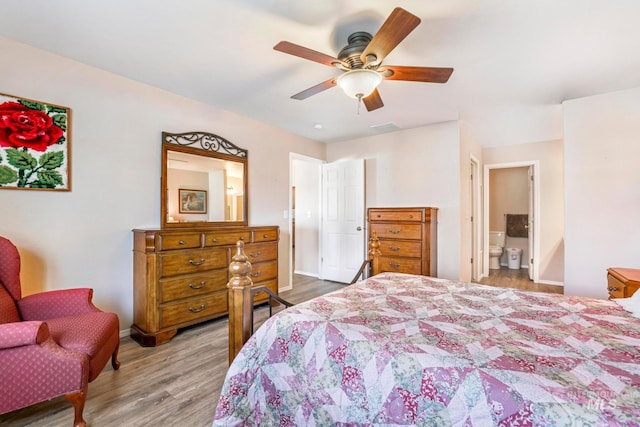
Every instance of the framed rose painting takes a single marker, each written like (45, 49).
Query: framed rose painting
(35, 145)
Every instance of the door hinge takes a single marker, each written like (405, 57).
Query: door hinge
(471, 260)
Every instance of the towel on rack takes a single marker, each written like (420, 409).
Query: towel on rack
(517, 225)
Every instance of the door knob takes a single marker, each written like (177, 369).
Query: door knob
(359, 228)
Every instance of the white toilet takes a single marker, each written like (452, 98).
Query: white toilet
(496, 246)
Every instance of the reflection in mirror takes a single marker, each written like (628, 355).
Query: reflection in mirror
(203, 188)
(204, 181)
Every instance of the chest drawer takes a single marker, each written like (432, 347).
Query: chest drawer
(265, 235)
(179, 241)
(261, 252)
(401, 248)
(397, 231)
(192, 310)
(395, 215)
(219, 238)
(264, 271)
(192, 261)
(400, 265)
(193, 285)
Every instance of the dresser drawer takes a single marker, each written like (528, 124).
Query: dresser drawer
(192, 261)
(396, 215)
(192, 310)
(218, 238)
(261, 252)
(265, 235)
(262, 296)
(400, 265)
(262, 271)
(615, 287)
(397, 231)
(179, 241)
(400, 248)
(193, 285)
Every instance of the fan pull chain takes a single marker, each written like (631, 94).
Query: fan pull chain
(359, 103)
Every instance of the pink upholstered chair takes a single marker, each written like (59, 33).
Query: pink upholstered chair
(52, 343)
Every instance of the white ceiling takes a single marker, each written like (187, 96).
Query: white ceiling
(515, 61)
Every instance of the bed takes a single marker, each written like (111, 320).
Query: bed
(398, 349)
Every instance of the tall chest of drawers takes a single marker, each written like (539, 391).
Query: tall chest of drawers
(408, 239)
(180, 276)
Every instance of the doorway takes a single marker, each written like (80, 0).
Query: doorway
(520, 180)
(305, 180)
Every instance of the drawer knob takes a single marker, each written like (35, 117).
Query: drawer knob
(200, 286)
(197, 310)
(612, 288)
(255, 254)
(265, 236)
(396, 231)
(378, 215)
(215, 240)
(256, 274)
(241, 237)
(192, 262)
(181, 242)
(394, 248)
(392, 265)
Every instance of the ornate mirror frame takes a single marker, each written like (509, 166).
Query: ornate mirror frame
(205, 145)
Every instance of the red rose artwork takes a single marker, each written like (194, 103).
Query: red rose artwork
(34, 144)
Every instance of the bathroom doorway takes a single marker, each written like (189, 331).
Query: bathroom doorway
(511, 190)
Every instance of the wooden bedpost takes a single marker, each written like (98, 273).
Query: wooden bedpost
(374, 253)
(240, 301)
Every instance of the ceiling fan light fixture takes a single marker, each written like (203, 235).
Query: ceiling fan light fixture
(359, 83)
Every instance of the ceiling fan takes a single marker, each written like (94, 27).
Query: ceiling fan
(361, 61)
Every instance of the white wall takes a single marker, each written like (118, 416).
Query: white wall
(550, 158)
(83, 237)
(602, 189)
(307, 182)
(415, 167)
(469, 146)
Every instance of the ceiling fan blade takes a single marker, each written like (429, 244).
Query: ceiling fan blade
(327, 84)
(306, 53)
(397, 26)
(416, 74)
(373, 101)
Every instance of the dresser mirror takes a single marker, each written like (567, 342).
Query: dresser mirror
(204, 181)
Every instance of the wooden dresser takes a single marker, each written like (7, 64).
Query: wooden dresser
(408, 239)
(622, 282)
(180, 275)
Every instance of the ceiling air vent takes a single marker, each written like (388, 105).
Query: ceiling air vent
(385, 127)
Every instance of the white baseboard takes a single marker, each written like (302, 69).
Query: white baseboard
(125, 333)
(304, 273)
(551, 282)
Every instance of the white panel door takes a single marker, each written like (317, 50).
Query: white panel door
(343, 220)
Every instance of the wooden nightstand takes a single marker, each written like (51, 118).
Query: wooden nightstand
(622, 282)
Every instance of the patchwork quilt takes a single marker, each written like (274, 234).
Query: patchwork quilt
(397, 350)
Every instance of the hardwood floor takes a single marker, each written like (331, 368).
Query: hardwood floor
(176, 384)
(519, 279)
(179, 383)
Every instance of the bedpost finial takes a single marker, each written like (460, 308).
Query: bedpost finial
(240, 268)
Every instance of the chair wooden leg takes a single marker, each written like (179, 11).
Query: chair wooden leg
(114, 358)
(77, 400)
